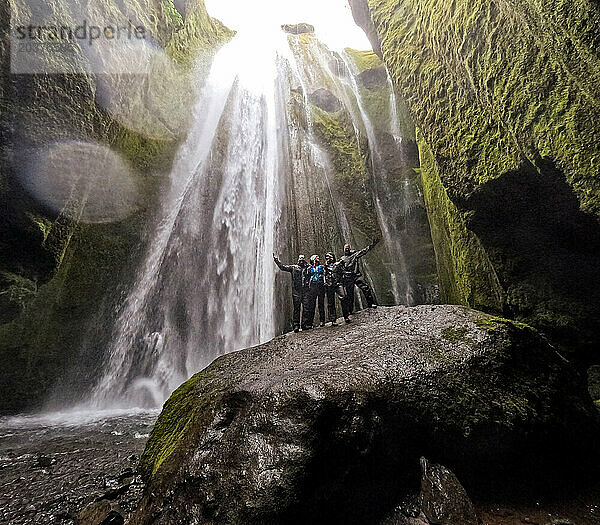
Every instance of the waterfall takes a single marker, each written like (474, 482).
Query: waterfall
(206, 284)
(249, 179)
(387, 210)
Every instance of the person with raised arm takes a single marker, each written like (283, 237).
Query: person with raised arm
(299, 289)
(333, 286)
(352, 276)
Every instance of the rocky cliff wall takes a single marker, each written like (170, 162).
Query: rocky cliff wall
(58, 258)
(506, 96)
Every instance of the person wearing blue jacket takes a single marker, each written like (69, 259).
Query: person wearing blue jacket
(314, 277)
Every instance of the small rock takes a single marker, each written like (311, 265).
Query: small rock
(115, 493)
(298, 29)
(126, 473)
(113, 518)
(44, 461)
(444, 501)
(63, 515)
(100, 513)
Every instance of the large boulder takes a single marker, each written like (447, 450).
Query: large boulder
(444, 501)
(329, 426)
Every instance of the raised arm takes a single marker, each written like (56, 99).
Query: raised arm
(366, 250)
(283, 267)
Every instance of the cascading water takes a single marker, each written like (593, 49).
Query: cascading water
(249, 178)
(386, 212)
(206, 285)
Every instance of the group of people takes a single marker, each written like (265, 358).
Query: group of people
(312, 283)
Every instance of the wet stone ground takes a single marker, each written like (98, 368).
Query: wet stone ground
(57, 468)
(52, 467)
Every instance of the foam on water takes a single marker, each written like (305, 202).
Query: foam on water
(77, 417)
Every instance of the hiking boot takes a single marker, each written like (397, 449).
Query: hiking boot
(296, 330)
(333, 323)
(322, 324)
(348, 320)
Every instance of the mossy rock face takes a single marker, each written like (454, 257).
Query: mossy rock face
(325, 100)
(373, 78)
(198, 37)
(506, 97)
(365, 175)
(328, 426)
(594, 382)
(466, 274)
(56, 273)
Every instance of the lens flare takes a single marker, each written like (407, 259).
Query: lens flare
(86, 182)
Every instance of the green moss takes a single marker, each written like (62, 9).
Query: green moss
(507, 98)
(464, 402)
(44, 225)
(594, 382)
(376, 102)
(352, 179)
(145, 155)
(364, 59)
(198, 38)
(174, 419)
(16, 292)
(492, 323)
(71, 271)
(457, 335)
(188, 407)
(336, 131)
(465, 272)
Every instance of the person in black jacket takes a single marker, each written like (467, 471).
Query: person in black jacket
(352, 275)
(334, 271)
(299, 289)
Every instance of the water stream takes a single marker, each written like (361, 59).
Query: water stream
(248, 180)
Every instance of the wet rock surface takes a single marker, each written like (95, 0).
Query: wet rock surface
(71, 472)
(373, 78)
(444, 501)
(329, 426)
(326, 100)
(298, 29)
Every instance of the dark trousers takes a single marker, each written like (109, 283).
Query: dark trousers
(331, 292)
(365, 288)
(316, 293)
(299, 299)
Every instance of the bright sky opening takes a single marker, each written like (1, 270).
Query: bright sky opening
(332, 19)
